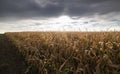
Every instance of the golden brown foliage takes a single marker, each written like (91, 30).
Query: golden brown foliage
(69, 52)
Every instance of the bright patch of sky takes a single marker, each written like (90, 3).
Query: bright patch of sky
(62, 23)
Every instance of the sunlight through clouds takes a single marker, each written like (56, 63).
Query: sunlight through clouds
(62, 23)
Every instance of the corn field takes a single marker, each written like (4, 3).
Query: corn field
(68, 52)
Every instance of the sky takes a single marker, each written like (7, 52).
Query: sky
(59, 15)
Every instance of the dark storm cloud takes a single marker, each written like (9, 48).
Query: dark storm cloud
(27, 8)
(91, 7)
(52, 8)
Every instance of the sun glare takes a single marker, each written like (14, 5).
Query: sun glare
(63, 19)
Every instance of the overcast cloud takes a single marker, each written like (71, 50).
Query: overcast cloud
(53, 8)
(107, 10)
